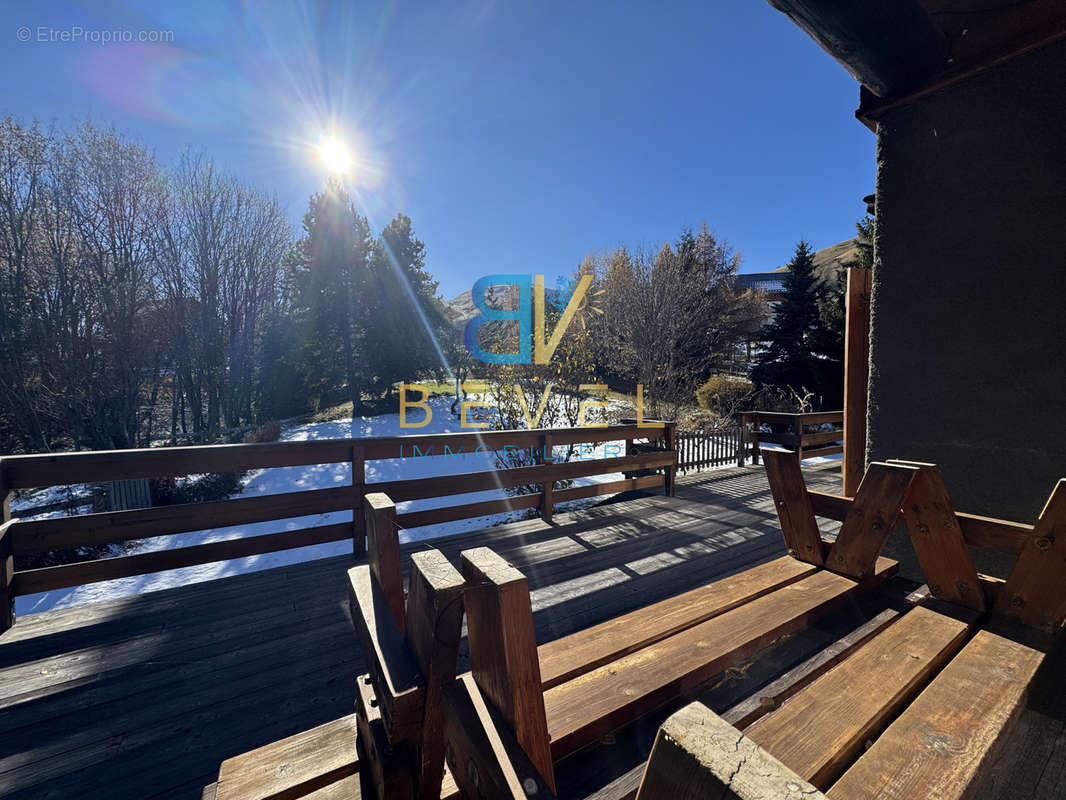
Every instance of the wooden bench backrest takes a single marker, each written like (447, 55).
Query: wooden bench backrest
(1034, 593)
(412, 651)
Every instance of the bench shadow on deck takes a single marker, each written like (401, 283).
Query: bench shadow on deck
(144, 697)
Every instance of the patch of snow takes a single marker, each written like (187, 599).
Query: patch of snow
(321, 476)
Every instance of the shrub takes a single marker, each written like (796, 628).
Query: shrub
(267, 432)
(724, 394)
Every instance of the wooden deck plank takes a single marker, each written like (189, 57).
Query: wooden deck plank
(588, 566)
(941, 742)
(822, 728)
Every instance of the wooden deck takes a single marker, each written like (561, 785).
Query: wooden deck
(144, 697)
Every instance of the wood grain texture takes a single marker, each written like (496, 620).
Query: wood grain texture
(1000, 535)
(434, 627)
(389, 764)
(383, 550)
(870, 519)
(699, 756)
(939, 745)
(794, 510)
(598, 702)
(398, 683)
(570, 656)
(483, 755)
(938, 541)
(292, 767)
(503, 651)
(1035, 591)
(774, 694)
(821, 729)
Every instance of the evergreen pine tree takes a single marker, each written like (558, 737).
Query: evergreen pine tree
(789, 360)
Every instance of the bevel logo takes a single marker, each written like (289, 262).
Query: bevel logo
(534, 347)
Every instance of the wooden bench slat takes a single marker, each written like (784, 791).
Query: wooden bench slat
(600, 701)
(821, 729)
(938, 746)
(566, 658)
(292, 767)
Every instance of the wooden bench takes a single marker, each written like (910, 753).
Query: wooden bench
(919, 710)
(522, 708)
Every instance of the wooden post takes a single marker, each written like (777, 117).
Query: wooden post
(671, 472)
(742, 439)
(383, 550)
(434, 628)
(7, 559)
(503, 651)
(548, 487)
(797, 431)
(856, 376)
(358, 490)
(698, 754)
(755, 439)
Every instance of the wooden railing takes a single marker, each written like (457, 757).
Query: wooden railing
(19, 537)
(701, 449)
(790, 431)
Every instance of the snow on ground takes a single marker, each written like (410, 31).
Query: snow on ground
(320, 476)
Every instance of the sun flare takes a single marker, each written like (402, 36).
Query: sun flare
(334, 155)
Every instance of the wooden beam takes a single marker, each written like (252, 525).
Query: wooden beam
(358, 492)
(390, 763)
(870, 519)
(383, 550)
(503, 651)
(697, 754)
(889, 47)
(856, 376)
(486, 760)
(1035, 591)
(397, 679)
(1000, 535)
(7, 555)
(794, 510)
(434, 628)
(938, 541)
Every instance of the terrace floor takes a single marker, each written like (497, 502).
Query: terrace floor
(144, 697)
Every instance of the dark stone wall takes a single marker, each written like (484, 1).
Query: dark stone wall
(968, 332)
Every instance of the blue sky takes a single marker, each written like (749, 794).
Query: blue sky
(518, 136)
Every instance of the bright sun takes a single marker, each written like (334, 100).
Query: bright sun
(334, 155)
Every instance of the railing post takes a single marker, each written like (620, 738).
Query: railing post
(742, 439)
(755, 439)
(358, 492)
(671, 444)
(7, 558)
(797, 431)
(547, 488)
